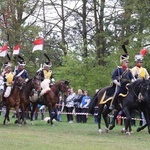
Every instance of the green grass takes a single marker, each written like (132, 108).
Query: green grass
(65, 136)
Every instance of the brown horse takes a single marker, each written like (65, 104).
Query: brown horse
(14, 99)
(51, 98)
(32, 85)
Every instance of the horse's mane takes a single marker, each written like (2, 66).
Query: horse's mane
(135, 84)
(29, 80)
(13, 88)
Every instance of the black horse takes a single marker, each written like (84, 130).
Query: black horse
(126, 102)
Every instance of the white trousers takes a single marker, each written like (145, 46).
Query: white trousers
(7, 92)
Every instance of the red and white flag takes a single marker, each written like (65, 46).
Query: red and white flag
(16, 49)
(38, 44)
(3, 50)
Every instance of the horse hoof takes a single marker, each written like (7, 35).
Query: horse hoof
(111, 127)
(8, 123)
(128, 133)
(100, 130)
(32, 123)
(19, 125)
(16, 122)
(123, 130)
(132, 132)
(138, 129)
(106, 130)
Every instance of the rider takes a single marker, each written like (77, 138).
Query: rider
(121, 76)
(138, 71)
(8, 80)
(21, 71)
(46, 77)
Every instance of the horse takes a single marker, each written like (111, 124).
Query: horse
(31, 86)
(51, 98)
(13, 100)
(126, 102)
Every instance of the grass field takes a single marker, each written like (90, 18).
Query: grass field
(66, 136)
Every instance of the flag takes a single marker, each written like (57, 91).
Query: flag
(3, 50)
(144, 51)
(38, 44)
(16, 49)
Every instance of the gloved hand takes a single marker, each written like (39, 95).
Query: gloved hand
(117, 83)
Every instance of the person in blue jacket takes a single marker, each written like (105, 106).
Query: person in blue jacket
(84, 106)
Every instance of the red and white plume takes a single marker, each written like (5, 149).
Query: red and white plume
(38, 44)
(3, 50)
(16, 49)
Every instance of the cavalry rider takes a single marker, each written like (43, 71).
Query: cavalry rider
(8, 80)
(138, 71)
(21, 71)
(46, 77)
(121, 76)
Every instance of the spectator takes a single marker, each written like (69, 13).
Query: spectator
(84, 106)
(60, 108)
(77, 102)
(70, 105)
(42, 110)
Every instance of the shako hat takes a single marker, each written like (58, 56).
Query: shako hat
(7, 64)
(21, 61)
(138, 58)
(124, 57)
(47, 63)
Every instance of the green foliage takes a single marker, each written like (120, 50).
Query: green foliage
(84, 74)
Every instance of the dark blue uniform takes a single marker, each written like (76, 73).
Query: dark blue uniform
(123, 76)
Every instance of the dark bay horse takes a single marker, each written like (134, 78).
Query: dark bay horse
(126, 102)
(31, 86)
(14, 99)
(51, 98)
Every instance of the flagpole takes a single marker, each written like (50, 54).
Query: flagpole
(44, 32)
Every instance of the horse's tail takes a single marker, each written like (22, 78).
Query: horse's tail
(93, 103)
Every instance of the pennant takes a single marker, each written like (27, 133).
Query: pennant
(3, 50)
(38, 44)
(16, 49)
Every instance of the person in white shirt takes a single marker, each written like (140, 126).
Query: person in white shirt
(70, 105)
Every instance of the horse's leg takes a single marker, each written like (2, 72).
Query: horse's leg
(50, 114)
(105, 117)
(34, 105)
(128, 120)
(100, 109)
(146, 115)
(6, 115)
(141, 128)
(114, 119)
(18, 115)
(23, 113)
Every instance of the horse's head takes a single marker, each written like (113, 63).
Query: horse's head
(64, 86)
(36, 83)
(19, 82)
(144, 89)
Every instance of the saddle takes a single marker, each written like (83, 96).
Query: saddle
(109, 93)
